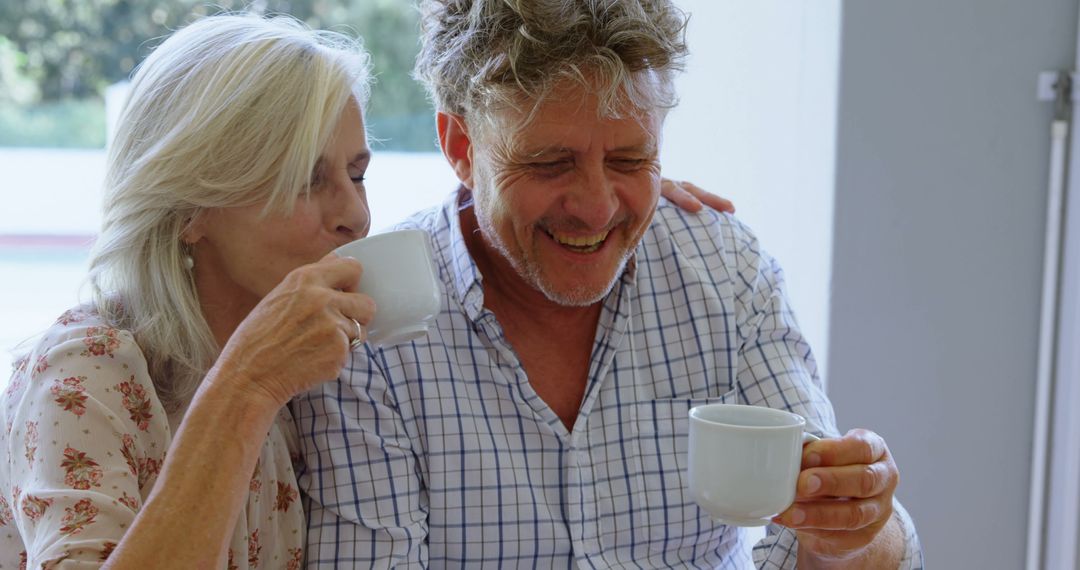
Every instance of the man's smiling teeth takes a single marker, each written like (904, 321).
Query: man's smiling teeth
(586, 242)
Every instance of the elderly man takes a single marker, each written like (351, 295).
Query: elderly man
(543, 423)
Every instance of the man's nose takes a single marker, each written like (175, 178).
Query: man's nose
(593, 199)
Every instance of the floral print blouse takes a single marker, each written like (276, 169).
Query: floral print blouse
(84, 437)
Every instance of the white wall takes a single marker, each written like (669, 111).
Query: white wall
(941, 177)
(756, 123)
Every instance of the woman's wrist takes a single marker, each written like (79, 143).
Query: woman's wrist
(239, 390)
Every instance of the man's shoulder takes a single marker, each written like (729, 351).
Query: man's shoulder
(699, 235)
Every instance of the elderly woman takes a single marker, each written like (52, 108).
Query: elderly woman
(148, 428)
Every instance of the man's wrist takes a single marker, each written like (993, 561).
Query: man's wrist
(886, 550)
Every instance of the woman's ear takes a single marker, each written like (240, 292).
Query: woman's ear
(456, 145)
(195, 228)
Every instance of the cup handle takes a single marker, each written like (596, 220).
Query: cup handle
(808, 437)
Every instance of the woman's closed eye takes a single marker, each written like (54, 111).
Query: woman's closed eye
(357, 169)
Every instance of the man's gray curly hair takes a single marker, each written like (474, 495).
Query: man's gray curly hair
(481, 54)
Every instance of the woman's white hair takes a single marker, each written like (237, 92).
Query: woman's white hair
(231, 110)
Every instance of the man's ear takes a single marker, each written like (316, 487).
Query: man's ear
(456, 145)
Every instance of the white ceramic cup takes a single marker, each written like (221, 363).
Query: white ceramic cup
(399, 274)
(744, 461)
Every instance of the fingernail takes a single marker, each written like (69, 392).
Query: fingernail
(797, 516)
(813, 460)
(813, 483)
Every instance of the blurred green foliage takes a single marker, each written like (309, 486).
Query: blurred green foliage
(16, 87)
(58, 56)
(70, 123)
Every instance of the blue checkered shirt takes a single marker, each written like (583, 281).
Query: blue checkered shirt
(439, 453)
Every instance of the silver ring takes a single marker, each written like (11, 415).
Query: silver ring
(359, 340)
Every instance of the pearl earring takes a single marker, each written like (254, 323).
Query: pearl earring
(189, 262)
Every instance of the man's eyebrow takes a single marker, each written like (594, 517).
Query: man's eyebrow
(543, 151)
(648, 148)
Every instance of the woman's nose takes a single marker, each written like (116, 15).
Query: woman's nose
(351, 213)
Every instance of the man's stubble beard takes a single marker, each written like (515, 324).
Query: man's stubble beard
(530, 271)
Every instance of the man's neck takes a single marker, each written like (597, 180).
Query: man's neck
(553, 342)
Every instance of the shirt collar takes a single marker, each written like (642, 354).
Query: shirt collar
(465, 275)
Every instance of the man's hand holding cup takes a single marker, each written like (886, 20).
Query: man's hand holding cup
(844, 495)
(751, 466)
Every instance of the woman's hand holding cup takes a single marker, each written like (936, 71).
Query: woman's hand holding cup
(299, 335)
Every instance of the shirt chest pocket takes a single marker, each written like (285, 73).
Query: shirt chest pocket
(666, 517)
